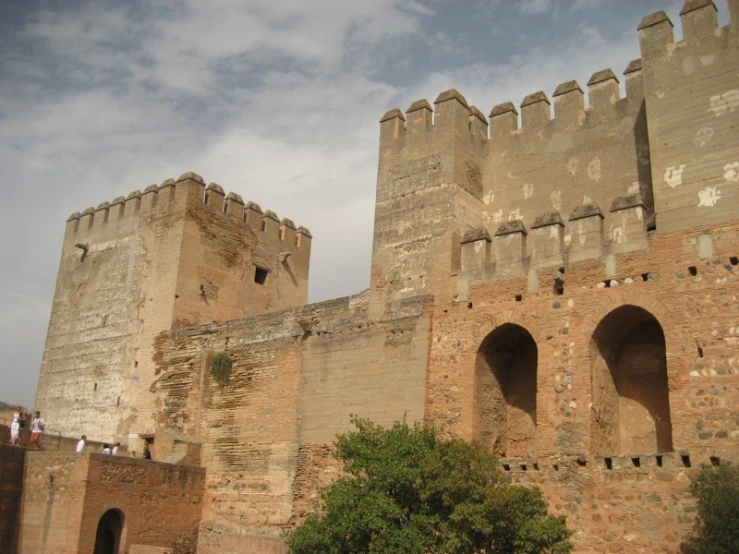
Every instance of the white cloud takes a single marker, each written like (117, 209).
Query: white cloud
(585, 4)
(533, 6)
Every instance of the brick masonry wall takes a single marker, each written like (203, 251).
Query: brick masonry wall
(11, 490)
(66, 495)
(297, 376)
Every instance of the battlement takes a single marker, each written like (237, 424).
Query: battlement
(172, 195)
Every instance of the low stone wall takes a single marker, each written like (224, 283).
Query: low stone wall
(66, 495)
(11, 490)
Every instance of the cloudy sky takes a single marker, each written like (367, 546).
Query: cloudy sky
(277, 100)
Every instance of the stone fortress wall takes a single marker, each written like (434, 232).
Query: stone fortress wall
(562, 288)
(178, 254)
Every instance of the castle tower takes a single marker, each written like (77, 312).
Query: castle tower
(177, 255)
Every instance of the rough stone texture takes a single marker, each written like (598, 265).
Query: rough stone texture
(128, 273)
(11, 489)
(598, 356)
(66, 494)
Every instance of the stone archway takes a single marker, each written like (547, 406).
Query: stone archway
(109, 532)
(505, 391)
(631, 408)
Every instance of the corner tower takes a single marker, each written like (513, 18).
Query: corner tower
(178, 254)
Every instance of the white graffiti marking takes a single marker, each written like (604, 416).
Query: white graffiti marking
(571, 165)
(514, 215)
(726, 102)
(528, 190)
(488, 198)
(674, 175)
(731, 172)
(708, 197)
(594, 169)
(556, 198)
(703, 135)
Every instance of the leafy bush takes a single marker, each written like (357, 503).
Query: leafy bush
(410, 491)
(220, 368)
(716, 490)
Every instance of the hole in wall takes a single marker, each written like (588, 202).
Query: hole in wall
(225, 208)
(644, 276)
(715, 461)
(559, 287)
(700, 352)
(507, 467)
(734, 260)
(519, 298)
(95, 387)
(659, 461)
(135, 364)
(260, 275)
(686, 460)
(118, 401)
(636, 462)
(264, 225)
(206, 197)
(609, 463)
(607, 283)
(693, 270)
(469, 305)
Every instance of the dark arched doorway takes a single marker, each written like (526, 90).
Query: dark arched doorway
(505, 391)
(108, 536)
(631, 406)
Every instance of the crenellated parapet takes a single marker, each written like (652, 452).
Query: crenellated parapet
(692, 101)
(124, 213)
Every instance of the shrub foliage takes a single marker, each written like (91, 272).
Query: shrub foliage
(407, 490)
(716, 490)
(220, 368)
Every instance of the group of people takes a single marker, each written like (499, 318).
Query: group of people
(20, 419)
(19, 422)
(112, 451)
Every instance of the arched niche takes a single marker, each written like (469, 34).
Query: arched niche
(109, 532)
(505, 391)
(631, 407)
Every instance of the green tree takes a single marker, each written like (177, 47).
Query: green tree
(716, 490)
(407, 490)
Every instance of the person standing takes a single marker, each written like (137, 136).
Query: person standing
(15, 427)
(106, 449)
(81, 444)
(115, 448)
(37, 429)
(147, 452)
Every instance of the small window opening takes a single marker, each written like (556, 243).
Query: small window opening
(118, 401)
(636, 462)
(519, 298)
(644, 276)
(95, 387)
(685, 460)
(559, 287)
(206, 197)
(536, 466)
(469, 305)
(243, 217)
(700, 352)
(607, 283)
(693, 270)
(297, 240)
(659, 461)
(136, 364)
(264, 225)
(507, 467)
(734, 260)
(715, 461)
(524, 467)
(260, 275)
(582, 461)
(225, 208)
(282, 233)
(609, 463)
